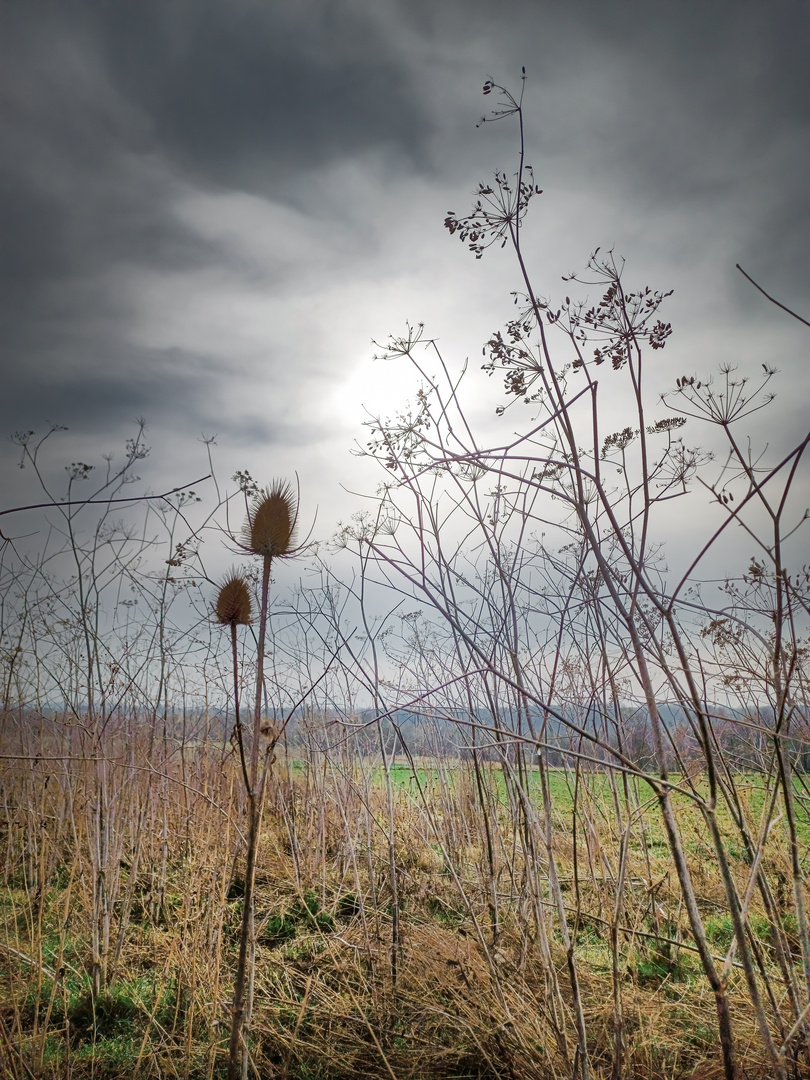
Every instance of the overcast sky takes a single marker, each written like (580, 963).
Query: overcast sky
(209, 209)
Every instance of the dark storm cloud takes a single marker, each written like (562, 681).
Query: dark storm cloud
(717, 111)
(245, 95)
(108, 110)
(678, 103)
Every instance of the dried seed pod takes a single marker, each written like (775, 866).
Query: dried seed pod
(270, 526)
(233, 602)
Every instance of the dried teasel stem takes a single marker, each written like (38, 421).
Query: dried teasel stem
(233, 608)
(269, 533)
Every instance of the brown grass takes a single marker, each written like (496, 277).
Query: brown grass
(464, 1004)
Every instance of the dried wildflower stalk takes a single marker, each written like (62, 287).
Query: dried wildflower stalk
(269, 533)
(233, 608)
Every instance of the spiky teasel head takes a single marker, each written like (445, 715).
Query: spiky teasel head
(270, 527)
(233, 601)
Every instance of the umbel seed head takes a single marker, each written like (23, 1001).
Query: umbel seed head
(233, 602)
(271, 521)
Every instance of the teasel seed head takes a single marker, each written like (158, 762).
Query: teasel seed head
(233, 601)
(270, 527)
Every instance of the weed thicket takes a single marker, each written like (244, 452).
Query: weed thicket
(323, 991)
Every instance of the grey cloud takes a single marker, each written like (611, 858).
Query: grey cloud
(108, 111)
(90, 386)
(243, 95)
(686, 121)
(34, 247)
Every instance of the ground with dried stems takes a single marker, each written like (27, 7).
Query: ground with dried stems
(479, 988)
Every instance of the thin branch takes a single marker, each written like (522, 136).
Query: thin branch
(769, 297)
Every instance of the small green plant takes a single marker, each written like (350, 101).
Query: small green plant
(111, 1056)
(444, 914)
(278, 929)
(720, 930)
(651, 972)
(348, 906)
(108, 1015)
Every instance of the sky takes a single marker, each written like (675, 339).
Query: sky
(209, 210)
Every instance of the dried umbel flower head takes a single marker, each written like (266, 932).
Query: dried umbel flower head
(233, 602)
(270, 527)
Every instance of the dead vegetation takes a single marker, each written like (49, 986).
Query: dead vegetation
(475, 992)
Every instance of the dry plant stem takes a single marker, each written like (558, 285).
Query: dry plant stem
(260, 651)
(240, 741)
(247, 944)
(483, 802)
(14, 1054)
(662, 791)
(617, 1070)
(772, 300)
(246, 958)
(129, 896)
(392, 867)
(430, 812)
(684, 877)
(786, 782)
(709, 809)
(785, 779)
(581, 1058)
(285, 1069)
(387, 763)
